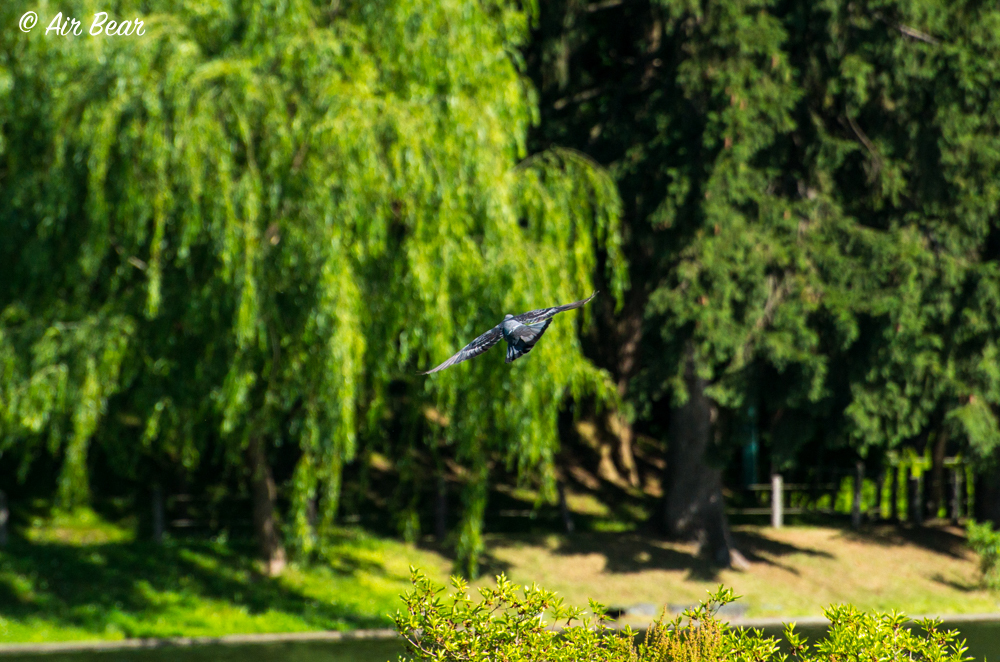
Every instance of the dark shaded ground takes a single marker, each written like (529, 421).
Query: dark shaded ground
(935, 536)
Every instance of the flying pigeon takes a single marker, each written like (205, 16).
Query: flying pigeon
(520, 331)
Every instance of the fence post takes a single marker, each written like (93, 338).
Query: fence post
(859, 477)
(4, 516)
(777, 517)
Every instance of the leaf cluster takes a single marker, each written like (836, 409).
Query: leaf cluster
(856, 635)
(507, 624)
(986, 542)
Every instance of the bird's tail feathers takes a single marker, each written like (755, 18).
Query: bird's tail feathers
(513, 353)
(527, 336)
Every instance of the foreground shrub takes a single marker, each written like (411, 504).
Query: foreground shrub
(986, 542)
(509, 625)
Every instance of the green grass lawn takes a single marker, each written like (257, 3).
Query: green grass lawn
(86, 577)
(80, 577)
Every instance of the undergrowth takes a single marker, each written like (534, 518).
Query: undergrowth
(509, 625)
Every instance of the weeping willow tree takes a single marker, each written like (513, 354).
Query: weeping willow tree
(239, 229)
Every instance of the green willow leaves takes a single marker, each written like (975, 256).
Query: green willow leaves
(258, 217)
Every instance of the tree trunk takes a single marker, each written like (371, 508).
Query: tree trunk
(936, 492)
(879, 485)
(441, 508)
(629, 337)
(956, 494)
(264, 494)
(914, 509)
(693, 506)
(4, 516)
(159, 520)
(564, 509)
(859, 478)
(619, 426)
(894, 495)
(616, 347)
(986, 507)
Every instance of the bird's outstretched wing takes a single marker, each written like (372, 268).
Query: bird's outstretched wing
(542, 314)
(474, 348)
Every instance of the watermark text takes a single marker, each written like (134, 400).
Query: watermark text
(69, 26)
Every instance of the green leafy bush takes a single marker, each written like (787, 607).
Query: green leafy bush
(508, 625)
(986, 542)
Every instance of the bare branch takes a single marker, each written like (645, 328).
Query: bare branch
(577, 98)
(607, 4)
(917, 34)
(876, 159)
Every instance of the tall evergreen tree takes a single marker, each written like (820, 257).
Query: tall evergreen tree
(905, 114)
(810, 215)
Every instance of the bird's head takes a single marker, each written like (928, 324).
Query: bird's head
(507, 317)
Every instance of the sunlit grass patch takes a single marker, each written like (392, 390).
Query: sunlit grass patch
(81, 526)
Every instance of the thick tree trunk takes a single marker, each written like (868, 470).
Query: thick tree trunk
(937, 481)
(616, 348)
(264, 494)
(693, 507)
(619, 426)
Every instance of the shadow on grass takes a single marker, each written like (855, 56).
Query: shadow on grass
(965, 587)
(123, 585)
(624, 552)
(942, 539)
(631, 552)
(761, 549)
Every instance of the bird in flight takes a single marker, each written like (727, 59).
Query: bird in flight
(520, 331)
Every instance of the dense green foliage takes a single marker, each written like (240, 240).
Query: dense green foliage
(503, 625)
(510, 625)
(810, 209)
(986, 542)
(260, 218)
